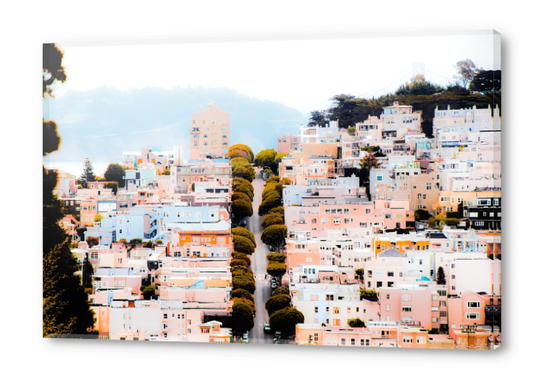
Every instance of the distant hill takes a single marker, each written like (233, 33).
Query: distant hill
(103, 123)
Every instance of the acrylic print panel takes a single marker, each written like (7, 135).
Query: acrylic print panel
(341, 191)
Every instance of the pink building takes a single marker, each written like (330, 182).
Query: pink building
(288, 143)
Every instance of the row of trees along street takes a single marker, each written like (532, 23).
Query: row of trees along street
(244, 243)
(282, 317)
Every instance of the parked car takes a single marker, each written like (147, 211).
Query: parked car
(267, 328)
(243, 223)
(245, 338)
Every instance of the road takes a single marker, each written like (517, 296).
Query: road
(259, 267)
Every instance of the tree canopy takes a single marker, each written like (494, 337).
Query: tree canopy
(240, 150)
(368, 295)
(285, 320)
(241, 172)
(276, 257)
(88, 173)
(486, 81)
(243, 256)
(356, 323)
(441, 276)
(271, 201)
(245, 282)
(265, 158)
(281, 291)
(245, 301)
(240, 196)
(276, 303)
(272, 219)
(275, 235)
(241, 208)
(242, 293)
(243, 245)
(240, 231)
(275, 268)
(243, 188)
(115, 173)
(242, 317)
(466, 71)
(279, 210)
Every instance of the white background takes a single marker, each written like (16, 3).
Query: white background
(25, 26)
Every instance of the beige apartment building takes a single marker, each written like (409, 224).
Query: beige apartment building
(210, 132)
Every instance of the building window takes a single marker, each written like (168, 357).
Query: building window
(472, 316)
(473, 304)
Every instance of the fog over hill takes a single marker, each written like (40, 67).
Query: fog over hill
(103, 123)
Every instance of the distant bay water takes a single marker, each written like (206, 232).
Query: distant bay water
(76, 168)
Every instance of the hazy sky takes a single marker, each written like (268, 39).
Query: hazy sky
(301, 74)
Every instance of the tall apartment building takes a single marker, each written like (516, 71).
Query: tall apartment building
(210, 132)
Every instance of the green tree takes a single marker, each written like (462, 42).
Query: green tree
(241, 293)
(273, 179)
(66, 309)
(87, 271)
(271, 201)
(166, 171)
(149, 292)
(241, 208)
(275, 235)
(242, 162)
(243, 188)
(242, 318)
(441, 277)
(237, 255)
(317, 118)
(421, 214)
(239, 262)
(245, 301)
(243, 245)
(276, 257)
(351, 131)
(486, 81)
(148, 244)
(367, 163)
(98, 218)
(265, 158)
(356, 323)
(115, 173)
(368, 295)
(466, 71)
(92, 241)
(281, 291)
(276, 269)
(276, 303)
(343, 110)
(241, 172)
(279, 209)
(285, 320)
(360, 272)
(272, 219)
(240, 150)
(112, 185)
(88, 173)
(244, 282)
(240, 196)
(240, 231)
